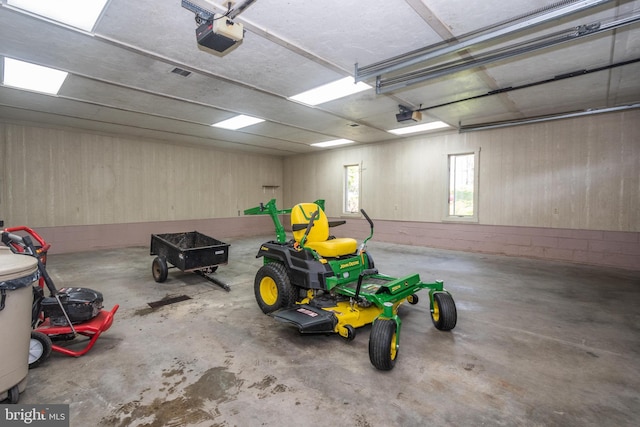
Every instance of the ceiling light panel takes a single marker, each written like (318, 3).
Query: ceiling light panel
(332, 143)
(24, 75)
(419, 128)
(238, 122)
(82, 14)
(330, 91)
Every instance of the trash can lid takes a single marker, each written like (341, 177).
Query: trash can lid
(14, 267)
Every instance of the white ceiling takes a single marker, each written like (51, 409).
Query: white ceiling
(121, 81)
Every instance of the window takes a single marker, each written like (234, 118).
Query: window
(351, 188)
(462, 185)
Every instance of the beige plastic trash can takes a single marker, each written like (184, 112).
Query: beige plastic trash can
(18, 273)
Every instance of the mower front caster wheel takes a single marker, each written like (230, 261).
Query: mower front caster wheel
(39, 349)
(444, 314)
(383, 344)
(350, 333)
(159, 269)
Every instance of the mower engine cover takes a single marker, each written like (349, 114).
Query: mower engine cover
(81, 304)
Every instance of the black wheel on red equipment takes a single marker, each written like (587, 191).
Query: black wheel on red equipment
(13, 395)
(39, 349)
(159, 269)
(273, 289)
(383, 344)
(444, 314)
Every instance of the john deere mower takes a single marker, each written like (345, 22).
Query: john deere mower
(322, 284)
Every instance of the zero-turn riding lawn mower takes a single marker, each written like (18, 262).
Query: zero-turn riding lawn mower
(322, 284)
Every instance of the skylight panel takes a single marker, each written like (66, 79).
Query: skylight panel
(332, 143)
(24, 75)
(238, 122)
(419, 128)
(330, 91)
(81, 14)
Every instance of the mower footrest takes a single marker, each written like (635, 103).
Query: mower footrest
(308, 319)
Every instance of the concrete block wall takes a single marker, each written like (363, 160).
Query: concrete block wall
(604, 248)
(77, 238)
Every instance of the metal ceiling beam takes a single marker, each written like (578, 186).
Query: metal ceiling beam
(540, 119)
(571, 34)
(572, 74)
(241, 8)
(468, 40)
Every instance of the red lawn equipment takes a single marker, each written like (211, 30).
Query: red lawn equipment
(65, 313)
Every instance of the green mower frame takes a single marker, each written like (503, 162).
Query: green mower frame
(298, 286)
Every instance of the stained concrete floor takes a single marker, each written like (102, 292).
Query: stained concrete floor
(537, 344)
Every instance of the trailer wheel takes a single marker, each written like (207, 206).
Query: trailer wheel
(413, 299)
(444, 314)
(273, 288)
(39, 349)
(383, 344)
(160, 269)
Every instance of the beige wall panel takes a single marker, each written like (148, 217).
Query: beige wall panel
(580, 173)
(57, 177)
(400, 180)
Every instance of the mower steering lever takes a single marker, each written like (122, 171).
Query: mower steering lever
(367, 272)
(367, 217)
(364, 243)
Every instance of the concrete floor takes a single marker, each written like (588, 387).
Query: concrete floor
(537, 344)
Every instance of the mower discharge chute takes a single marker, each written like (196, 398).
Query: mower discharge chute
(322, 284)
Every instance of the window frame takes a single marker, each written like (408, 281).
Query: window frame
(476, 173)
(345, 188)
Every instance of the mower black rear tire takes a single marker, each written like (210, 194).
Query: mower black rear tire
(444, 314)
(383, 344)
(370, 263)
(39, 349)
(159, 269)
(273, 288)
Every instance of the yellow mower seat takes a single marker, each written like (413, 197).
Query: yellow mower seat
(318, 238)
